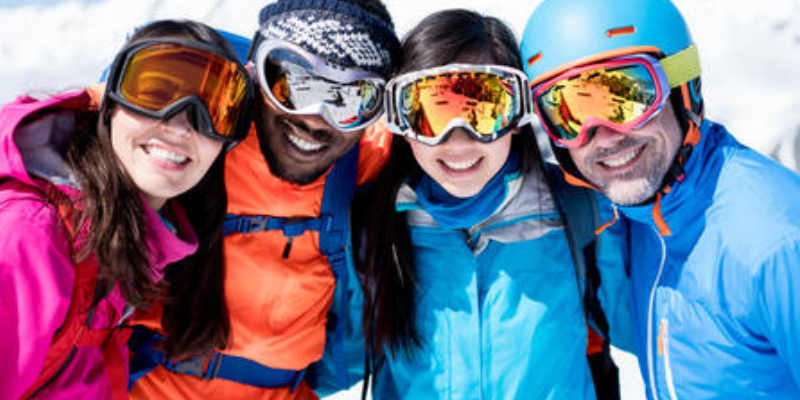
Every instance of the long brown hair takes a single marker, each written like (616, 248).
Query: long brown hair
(118, 227)
(381, 234)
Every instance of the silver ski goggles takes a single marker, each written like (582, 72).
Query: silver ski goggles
(160, 78)
(301, 83)
(487, 101)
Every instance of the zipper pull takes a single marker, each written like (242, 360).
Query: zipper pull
(288, 247)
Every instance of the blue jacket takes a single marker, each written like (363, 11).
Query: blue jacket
(717, 303)
(499, 306)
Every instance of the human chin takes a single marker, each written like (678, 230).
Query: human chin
(629, 192)
(277, 153)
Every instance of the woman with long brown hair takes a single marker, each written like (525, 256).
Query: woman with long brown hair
(88, 217)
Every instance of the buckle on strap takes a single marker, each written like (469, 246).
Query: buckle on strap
(197, 366)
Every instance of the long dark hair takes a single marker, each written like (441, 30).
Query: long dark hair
(386, 263)
(118, 227)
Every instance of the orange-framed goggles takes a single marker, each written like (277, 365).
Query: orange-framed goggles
(160, 78)
(621, 93)
(487, 101)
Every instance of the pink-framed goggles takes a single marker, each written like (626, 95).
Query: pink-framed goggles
(621, 93)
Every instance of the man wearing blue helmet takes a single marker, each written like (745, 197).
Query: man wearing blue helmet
(714, 226)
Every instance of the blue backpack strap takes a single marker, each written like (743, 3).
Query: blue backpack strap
(334, 240)
(148, 356)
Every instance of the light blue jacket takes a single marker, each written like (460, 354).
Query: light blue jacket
(717, 303)
(499, 308)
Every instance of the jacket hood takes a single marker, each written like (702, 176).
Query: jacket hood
(34, 134)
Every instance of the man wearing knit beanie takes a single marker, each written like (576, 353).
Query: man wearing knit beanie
(286, 291)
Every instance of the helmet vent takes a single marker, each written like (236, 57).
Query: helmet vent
(534, 59)
(625, 30)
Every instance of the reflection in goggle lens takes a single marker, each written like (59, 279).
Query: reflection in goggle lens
(618, 95)
(487, 102)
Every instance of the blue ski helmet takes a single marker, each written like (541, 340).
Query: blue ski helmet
(564, 33)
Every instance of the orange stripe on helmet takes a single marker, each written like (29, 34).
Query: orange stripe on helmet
(534, 59)
(625, 30)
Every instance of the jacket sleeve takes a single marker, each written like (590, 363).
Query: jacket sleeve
(36, 278)
(778, 293)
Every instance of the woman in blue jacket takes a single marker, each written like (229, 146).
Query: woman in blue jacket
(470, 288)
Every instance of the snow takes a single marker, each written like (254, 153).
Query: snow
(750, 53)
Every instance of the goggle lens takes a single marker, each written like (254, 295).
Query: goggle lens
(613, 94)
(159, 75)
(487, 102)
(293, 83)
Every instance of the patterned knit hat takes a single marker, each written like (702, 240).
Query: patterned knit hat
(341, 33)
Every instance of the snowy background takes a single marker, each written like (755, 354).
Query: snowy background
(749, 50)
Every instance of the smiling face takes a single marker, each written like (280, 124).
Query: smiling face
(163, 158)
(461, 164)
(629, 168)
(300, 148)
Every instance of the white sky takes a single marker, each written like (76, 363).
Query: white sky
(750, 53)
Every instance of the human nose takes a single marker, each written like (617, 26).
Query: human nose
(604, 136)
(179, 124)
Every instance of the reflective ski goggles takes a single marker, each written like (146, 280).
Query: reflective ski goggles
(487, 101)
(163, 77)
(300, 83)
(621, 93)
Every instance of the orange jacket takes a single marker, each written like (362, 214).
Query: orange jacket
(277, 306)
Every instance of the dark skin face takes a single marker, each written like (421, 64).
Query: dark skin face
(299, 148)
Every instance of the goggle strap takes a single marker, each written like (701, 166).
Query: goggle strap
(682, 66)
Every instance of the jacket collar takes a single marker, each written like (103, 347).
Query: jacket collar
(689, 197)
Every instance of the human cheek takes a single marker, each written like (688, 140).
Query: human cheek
(208, 149)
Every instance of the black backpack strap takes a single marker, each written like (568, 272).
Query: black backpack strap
(579, 208)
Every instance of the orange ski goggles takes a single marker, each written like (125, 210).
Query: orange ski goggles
(160, 78)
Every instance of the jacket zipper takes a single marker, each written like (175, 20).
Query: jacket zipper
(664, 350)
(650, 311)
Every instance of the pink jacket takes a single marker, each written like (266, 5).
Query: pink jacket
(36, 273)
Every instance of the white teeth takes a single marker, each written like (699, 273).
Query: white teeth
(460, 166)
(620, 161)
(165, 155)
(304, 144)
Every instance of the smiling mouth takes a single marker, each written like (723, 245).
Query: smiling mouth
(461, 166)
(165, 155)
(303, 144)
(623, 159)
